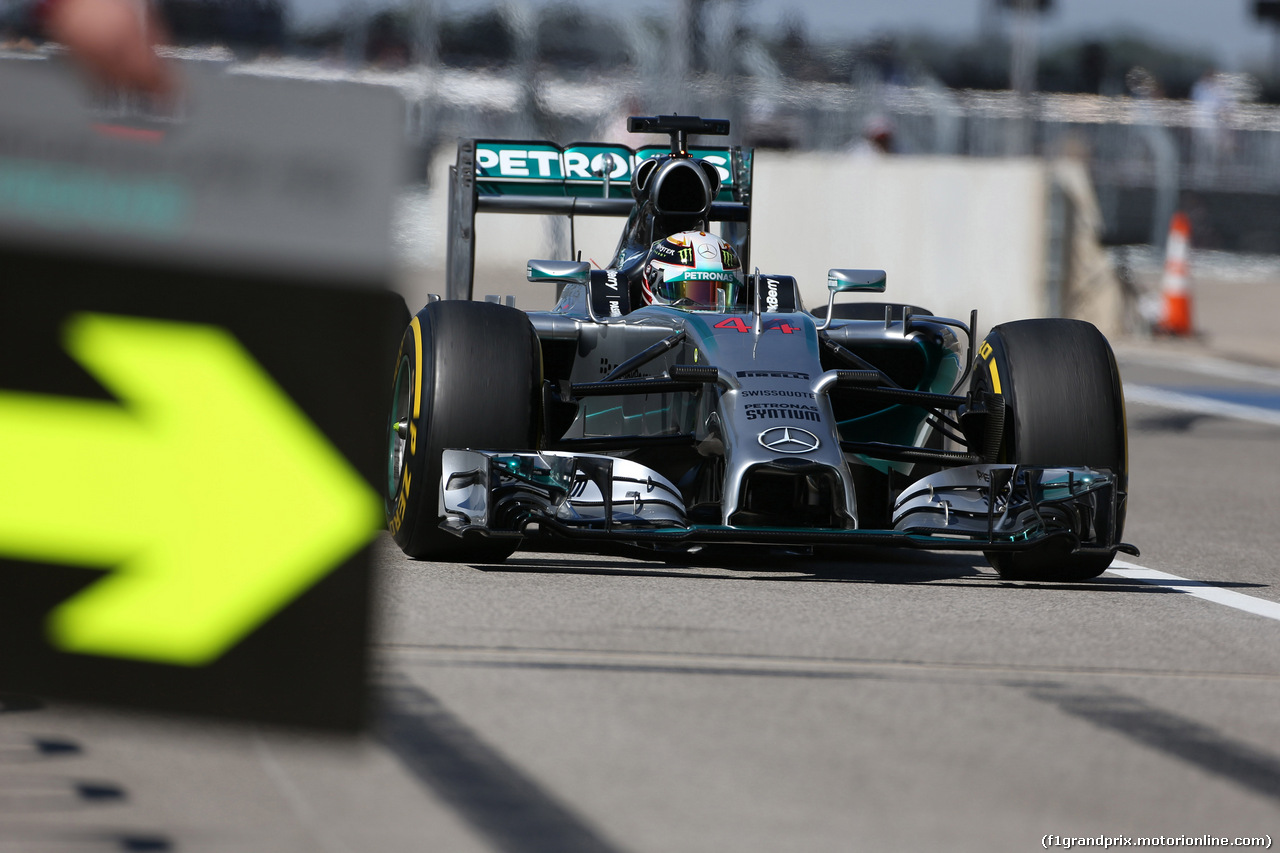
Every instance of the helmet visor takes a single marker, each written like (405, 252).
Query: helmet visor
(701, 292)
(709, 292)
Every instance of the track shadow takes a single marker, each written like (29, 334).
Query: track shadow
(867, 565)
(896, 566)
(870, 565)
(507, 806)
(582, 566)
(1179, 737)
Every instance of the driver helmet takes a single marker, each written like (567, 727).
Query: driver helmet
(692, 268)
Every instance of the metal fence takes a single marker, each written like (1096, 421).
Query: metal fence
(1148, 157)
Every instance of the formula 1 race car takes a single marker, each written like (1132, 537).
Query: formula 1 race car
(672, 402)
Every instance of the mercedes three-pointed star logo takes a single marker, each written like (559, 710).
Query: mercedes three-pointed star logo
(789, 440)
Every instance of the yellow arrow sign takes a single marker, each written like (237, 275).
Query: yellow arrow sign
(214, 500)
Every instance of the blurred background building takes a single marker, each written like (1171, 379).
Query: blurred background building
(1172, 104)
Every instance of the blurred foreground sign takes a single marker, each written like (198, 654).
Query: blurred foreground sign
(192, 392)
(280, 174)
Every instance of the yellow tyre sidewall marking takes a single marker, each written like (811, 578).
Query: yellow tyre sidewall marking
(986, 354)
(406, 478)
(417, 367)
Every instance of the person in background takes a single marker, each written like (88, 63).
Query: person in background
(878, 137)
(113, 40)
(1211, 136)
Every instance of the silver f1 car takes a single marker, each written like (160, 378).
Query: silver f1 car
(671, 402)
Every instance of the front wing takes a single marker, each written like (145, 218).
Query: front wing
(588, 497)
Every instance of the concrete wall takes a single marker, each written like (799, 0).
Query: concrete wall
(953, 233)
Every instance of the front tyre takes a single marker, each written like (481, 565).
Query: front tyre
(1064, 408)
(468, 375)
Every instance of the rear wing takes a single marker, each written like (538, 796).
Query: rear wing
(583, 179)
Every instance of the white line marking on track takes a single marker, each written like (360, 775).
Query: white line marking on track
(1149, 396)
(1204, 365)
(1238, 600)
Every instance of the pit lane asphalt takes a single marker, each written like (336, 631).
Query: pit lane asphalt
(896, 702)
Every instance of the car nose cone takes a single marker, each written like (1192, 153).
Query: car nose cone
(789, 440)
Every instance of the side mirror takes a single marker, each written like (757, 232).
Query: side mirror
(843, 281)
(559, 272)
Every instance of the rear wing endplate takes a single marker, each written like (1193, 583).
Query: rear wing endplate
(584, 179)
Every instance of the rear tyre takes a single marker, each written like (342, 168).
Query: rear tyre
(1064, 407)
(469, 375)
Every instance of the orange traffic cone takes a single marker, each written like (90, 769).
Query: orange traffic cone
(1175, 316)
